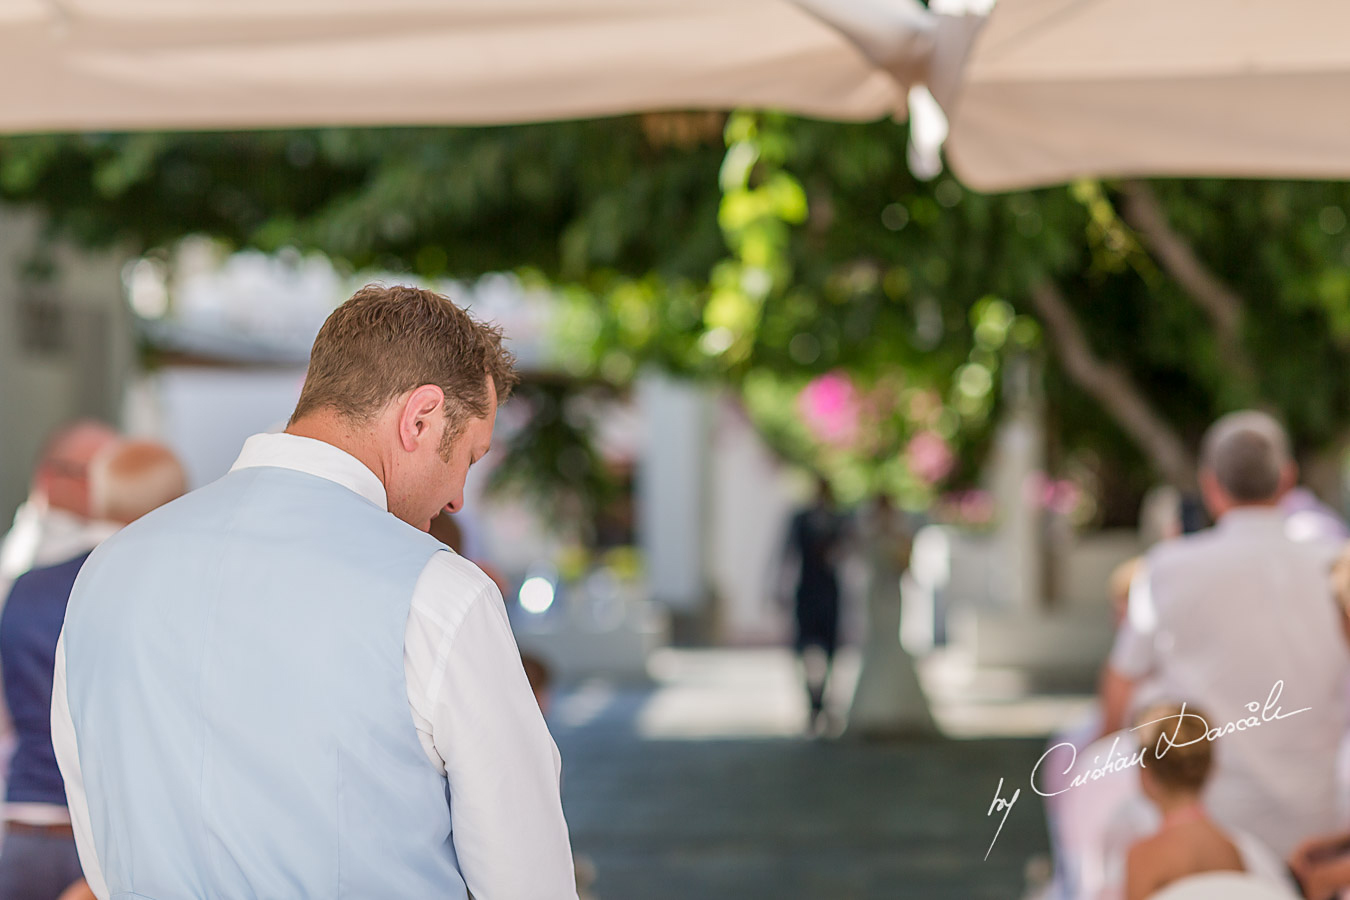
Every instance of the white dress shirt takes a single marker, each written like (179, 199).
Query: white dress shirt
(1217, 619)
(470, 701)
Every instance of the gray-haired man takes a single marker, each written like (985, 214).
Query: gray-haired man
(1239, 620)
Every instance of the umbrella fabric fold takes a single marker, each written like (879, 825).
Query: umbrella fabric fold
(188, 64)
(1060, 89)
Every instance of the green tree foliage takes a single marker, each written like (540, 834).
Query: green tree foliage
(764, 252)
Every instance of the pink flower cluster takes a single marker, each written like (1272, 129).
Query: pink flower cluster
(972, 508)
(829, 406)
(1060, 496)
(929, 457)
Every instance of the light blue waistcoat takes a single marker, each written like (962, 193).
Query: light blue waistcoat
(235, 675)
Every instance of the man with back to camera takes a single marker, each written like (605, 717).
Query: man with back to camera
(281, 686)
(1219, 617)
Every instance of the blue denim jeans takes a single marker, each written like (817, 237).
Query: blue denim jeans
(37, 866)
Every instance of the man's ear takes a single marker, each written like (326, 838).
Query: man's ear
(1217, 501)
(423, 406)
(1288, 477)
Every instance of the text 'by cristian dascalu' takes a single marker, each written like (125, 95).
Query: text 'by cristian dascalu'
(1114, 762)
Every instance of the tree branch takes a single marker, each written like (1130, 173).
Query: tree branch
(1224, 307)
(1112, 387)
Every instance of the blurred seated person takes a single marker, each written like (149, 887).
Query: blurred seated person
(1322, 866)
(1089, 728)
(1340, 589)
(1176, 762)
(1241, 614)
(1078, 819)
(39, 858)
(1322, 863)
(56, 522)
(1308, 518)
(80, 890)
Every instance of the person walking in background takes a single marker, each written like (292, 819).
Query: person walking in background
(815, 546)
(293, 689)
(39, 858)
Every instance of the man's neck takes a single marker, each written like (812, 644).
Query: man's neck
(333, 429)
(1244, 508)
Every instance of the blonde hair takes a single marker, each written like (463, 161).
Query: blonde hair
(1122, 576)
(1340, 580)
(131, 478)
(1177, 753)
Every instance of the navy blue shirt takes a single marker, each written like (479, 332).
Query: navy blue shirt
(29, 629)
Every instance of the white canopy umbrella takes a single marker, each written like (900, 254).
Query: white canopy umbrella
(1057, 89)
(185, 64)
(1052, 89)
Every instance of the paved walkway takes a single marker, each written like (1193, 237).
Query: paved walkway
(694, 788)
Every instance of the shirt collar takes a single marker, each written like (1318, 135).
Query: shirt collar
(290, 451)
(1247, 518)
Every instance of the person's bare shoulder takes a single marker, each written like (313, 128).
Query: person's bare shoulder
(78, 891)
(1146, 864)
(1157, 861)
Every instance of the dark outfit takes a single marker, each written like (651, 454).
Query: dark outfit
(815, 538)
(37, 862)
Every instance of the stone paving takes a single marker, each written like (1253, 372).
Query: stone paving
(673, 794)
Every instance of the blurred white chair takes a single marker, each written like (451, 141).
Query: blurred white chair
(1262, 862)
(1223, 886)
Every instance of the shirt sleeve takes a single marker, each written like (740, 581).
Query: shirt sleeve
(68, 760)
(501, 763)
(1133, 655)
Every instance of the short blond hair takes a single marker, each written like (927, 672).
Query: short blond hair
(1177, 754)
(1122, 577)
(1340, 580)
(388, 340)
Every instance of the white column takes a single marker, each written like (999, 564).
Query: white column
(670, 489)
(1019, 463)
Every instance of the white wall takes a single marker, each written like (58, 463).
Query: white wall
(205, 413)
(671, 477)
(750, 497)
(39, 391)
